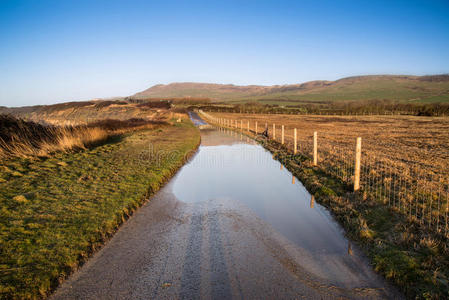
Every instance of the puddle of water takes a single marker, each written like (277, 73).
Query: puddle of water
(231, 166)
(196, 119)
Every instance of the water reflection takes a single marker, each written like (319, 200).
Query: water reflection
(226, 167)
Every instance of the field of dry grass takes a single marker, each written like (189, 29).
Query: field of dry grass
(422, 141)
(404, 158)
(86, 112)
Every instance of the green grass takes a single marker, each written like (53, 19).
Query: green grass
(398, 249)
(56, 211)
(369, 88)
(444, 98)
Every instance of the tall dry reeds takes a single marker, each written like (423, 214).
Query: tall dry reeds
(19, 138)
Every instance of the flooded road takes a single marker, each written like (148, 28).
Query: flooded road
(231, 224)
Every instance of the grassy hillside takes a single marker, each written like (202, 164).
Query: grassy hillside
(204, 90)
(396, 88)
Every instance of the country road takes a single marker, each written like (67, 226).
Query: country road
(231, 224)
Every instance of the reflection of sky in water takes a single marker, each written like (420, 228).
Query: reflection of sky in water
(248, 173)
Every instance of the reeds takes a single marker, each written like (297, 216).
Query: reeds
(19, 138)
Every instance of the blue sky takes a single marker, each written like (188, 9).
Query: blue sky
(54, 51)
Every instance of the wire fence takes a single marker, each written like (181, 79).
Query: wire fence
(418, 194)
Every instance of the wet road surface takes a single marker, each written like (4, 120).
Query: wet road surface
(231, 224)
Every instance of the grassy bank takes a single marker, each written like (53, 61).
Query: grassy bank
(401, 252)
(57, 210)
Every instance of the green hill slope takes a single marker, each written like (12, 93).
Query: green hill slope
(396, 88)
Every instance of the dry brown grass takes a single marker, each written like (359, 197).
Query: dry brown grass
(20, 138)
(65, 139)
(83, 113)
(408, 139)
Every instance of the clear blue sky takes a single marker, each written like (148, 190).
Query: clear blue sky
(54, 51)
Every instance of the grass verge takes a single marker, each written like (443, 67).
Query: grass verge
(400, 251)
(57, 210)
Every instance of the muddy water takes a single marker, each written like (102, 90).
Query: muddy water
(232, 224)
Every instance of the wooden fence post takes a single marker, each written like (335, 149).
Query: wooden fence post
(295, 145)
(282, 135)
(255, 129)
(358, 156)
(248, 127)
(315, 148)
(274, 131)
(241, 125)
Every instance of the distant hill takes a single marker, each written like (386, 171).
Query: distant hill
(433, 88)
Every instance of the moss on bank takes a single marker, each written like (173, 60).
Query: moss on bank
(56, 211)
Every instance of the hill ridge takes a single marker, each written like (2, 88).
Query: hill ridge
(393, 87)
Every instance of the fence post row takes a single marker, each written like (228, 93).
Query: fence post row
(295, 142)
(315, 148)
(358, 156)
(282, 136)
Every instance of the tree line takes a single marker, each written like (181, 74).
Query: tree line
(363, 107)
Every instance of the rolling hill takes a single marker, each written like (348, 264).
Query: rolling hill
(433, 88)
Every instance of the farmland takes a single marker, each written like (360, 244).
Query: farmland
(421, 141)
